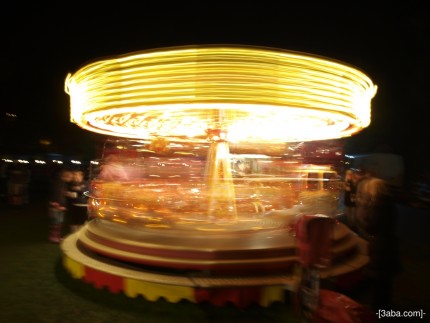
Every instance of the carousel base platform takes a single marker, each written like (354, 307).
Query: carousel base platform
(254, 268)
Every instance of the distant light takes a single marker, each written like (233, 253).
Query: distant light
(248, 93)
(349, 156)
(45, 142)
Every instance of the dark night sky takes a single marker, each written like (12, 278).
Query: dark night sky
(42, 43)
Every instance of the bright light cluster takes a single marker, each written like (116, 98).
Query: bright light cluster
(248, 93)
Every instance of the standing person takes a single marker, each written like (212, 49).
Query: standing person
(3, 180)
(18, 184)
(57, 204)
(78, 200)
(358, 176)
(377, 213)
(348, 199)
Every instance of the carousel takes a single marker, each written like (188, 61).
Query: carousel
(198, 195)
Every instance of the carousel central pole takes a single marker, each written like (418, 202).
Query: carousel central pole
(221, 193)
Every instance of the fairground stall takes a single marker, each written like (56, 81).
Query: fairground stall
(204, 174)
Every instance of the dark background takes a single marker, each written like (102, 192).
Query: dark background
(41, 44)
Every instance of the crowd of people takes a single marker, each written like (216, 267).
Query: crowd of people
(15, 183)
(67, 203)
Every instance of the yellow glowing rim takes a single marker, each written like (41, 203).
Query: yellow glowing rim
(250, 93)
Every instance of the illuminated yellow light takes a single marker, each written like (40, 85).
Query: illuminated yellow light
(157, 226)
(119, 220)
(210, 229)
(265, 95)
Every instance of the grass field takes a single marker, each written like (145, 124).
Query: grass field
(34, 286)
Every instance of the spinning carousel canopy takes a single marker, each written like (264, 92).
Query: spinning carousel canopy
(247, 94)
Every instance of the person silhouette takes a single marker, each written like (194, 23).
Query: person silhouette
(77, 200)
(377, 215)
(57, 204)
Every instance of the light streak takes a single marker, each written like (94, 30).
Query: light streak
(265, 94)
